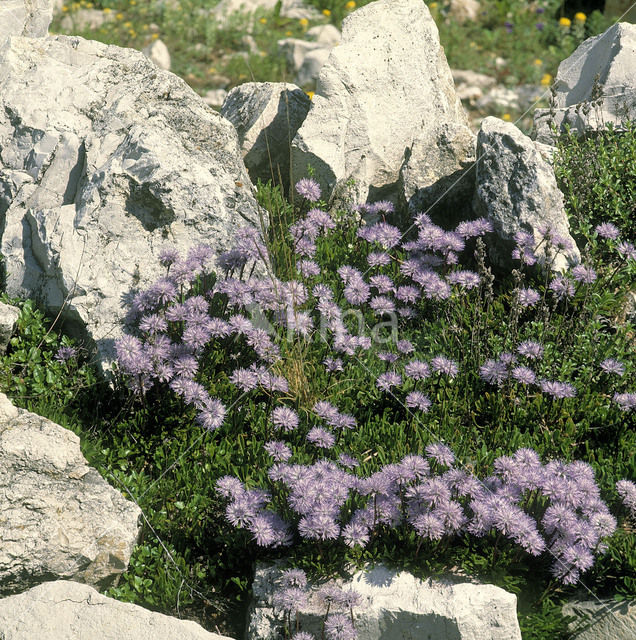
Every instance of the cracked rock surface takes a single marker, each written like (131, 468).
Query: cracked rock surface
(64, 610)
(58, 517)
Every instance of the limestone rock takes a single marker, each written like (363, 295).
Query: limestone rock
(85, 20)
(215, 98)
(65, 610)
(28, 18)
(602, 69)
(398, 605)
(326, 34)
(296, 50)
(311, 66)
(439, 172)
(386, 82)
(470, 86)
(106, 159)
(516, 189)
(158, 53)
(266, 116)
(58, 517)
(602, 619)
(462, 10)
(8, 317)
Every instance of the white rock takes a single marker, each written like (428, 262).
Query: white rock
(295, 50)
(470, 86)
(312, 64)
(326, 34)
(516, 189)
(106, 159)
(386, 82)
(158, 53)
(65, 610)
(610, 57)
(266, 116)
(215, 97)
(28, 18)
(396, 605)
(8, 317)
(439, 172)
(59, 516)
(602, 619)
(462, 10)
(85, 20)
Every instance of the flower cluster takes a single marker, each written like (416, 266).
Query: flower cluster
(552, 508)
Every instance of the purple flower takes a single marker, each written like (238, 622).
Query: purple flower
(610, 365)
(627, 250)
(607, 230)
(539, 26)
(321, 438)
(474, 228)
(466, 279)
(347, 461)
(229, 487)
(333, 364)
(382, 283)
(417, 370)
(65, 353)
(508, 26)
(357, 291)
(387, 380)
(279, 451)
(405, 346)
(382, 305)
(441, 454)
(378, 259)
(308, 189)
(580, 273)
(627, 491)
(429, 526)
(293, 578)
(325, 410)
(407, 293)
(493, 371)
(318, 526)
(441, 364)
(338, 626)
(212, 415)
(557, 389)
(524, 375)
(530, 349)
(388, 357)
(285, 418)
(355, 534)
(418, 400)
(168, 256)
(625, 401)
(562, 287)
(308, 268)
(528, 297)
(289, 599)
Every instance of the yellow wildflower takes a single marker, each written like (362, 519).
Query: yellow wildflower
(310, 94)
(263, 20)
(433, 5)
(546, 80)
(350, 6)
(565, 22)
(288, 33)
(107, 10)
(212, 70)
(155, 36)
(580, 17)
(507, 117)
(64, 8)
(119, 16)
(538, 62)
(326, 12)
(128, 24)
(304, 23)
(89, 5)
(132, 33)
(133, 2)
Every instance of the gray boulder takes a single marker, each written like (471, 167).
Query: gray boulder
(601, 619)
(594, 86)
(266, 116)
(517, 191)
(105, 160)
(386, 83)
(158, 53)
(28, 18)
(397, 605)
(60, 518)
(65, 610)
(8, 317)
(439, 173)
